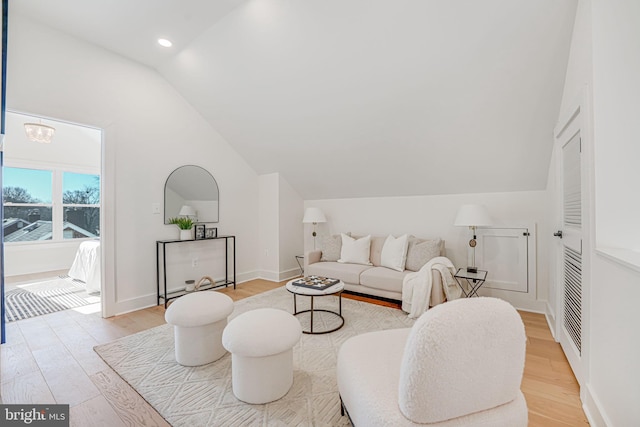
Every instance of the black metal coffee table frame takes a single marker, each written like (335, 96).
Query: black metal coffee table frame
(315, 310)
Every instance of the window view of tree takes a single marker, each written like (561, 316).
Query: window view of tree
(16, 205)
(26, 197)
(17, 195)
(28, 210)
(81, 204)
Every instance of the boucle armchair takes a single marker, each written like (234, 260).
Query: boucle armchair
(460, 364)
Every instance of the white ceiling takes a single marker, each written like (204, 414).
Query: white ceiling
(129, 27)
(356, 98)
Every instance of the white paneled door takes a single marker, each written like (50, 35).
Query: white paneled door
(570, 299)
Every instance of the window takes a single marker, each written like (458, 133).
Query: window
(50, 205)
(81, 205)
(27, 205)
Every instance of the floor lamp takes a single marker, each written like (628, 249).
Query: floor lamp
(313, 216)
(473, 216)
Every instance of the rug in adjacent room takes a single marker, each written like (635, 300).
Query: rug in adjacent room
(48, 296)
(202, 396)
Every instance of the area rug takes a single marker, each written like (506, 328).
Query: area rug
(202, 396)
(44, 297)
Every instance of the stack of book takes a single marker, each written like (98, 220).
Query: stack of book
(315, 282)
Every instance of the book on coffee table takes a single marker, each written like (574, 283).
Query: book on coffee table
(315, 282)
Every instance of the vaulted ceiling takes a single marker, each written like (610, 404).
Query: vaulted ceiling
(356, 98)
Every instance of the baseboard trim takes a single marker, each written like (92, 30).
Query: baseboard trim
(519, 300)
(289, 274)
(593, 409)
(150, 300)
(134, 304)
(278, 276)
(272, 276)
(551, 321)
(246, 276)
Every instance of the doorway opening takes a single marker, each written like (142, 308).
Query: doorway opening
(52, 218)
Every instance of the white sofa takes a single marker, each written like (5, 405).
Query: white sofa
(373, 280)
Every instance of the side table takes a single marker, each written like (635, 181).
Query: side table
(473, 281)
(298, 259)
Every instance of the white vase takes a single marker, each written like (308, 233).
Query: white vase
(186, 235)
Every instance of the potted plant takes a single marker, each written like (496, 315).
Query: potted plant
(185, 225)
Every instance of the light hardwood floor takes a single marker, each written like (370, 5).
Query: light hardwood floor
(50, 359)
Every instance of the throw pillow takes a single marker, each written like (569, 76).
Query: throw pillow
(394, 252)
(421, 252)
(355, 251)
(331, 246)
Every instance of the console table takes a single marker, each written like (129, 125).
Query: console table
(161, 246)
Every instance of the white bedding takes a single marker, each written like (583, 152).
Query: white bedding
(86, 266)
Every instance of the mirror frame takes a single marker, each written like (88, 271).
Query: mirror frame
(214, 182)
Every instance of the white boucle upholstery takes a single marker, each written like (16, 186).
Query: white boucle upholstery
(199, 308)
(199, 320)
(262, 332)
(462, 357)
(460, 365)
(261, 344)
(368, 368)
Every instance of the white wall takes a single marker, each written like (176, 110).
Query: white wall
(280, 228)
(616, 91)
(614, 337)
(291, 229)
(432, 217)
(269, 226)
(553, 219)
(604, 69)
(614, 385)
(193, 260)
(149, 131)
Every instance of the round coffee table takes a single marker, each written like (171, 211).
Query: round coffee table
(303, 291)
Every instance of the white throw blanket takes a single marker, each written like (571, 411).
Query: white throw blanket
(416, 287)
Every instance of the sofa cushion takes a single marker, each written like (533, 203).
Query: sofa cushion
(420, 251)
(355, 251)
(383, 278)
(394, 252)
(377, 243)
(349, 273)
(331, 246)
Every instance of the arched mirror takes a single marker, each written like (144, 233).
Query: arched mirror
(191, 191)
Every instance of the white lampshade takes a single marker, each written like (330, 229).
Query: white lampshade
(187, 210)
(473, 216)
(313, 215)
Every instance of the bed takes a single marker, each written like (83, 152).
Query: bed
(86, 266)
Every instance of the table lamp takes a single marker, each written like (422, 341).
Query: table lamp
(188, 211)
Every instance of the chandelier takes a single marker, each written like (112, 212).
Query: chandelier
(38, 132)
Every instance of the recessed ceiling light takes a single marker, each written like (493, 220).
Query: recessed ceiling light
(165, 42)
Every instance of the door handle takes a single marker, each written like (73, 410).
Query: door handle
(558, 234)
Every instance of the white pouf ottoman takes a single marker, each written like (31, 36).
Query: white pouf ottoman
(198, 320)
(261, 345)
